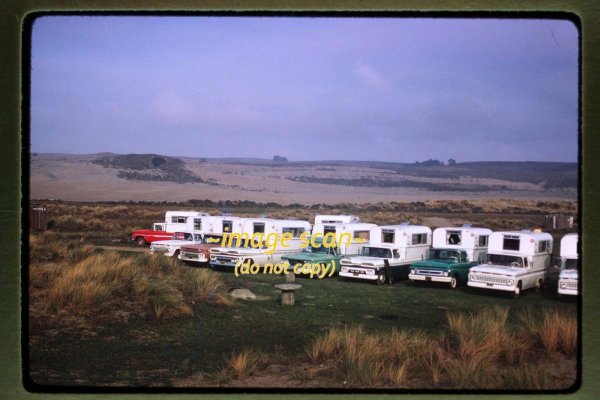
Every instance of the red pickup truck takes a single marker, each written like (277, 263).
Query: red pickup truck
(144, 237)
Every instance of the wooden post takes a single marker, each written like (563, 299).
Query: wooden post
(287, 298)
(290, 277)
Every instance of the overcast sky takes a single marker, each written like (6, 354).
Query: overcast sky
(391, 89)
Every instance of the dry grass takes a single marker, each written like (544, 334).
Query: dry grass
(107, 281)
(477, 351)
(245, 363)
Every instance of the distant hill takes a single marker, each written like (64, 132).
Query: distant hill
(156, 177)
(148, 167)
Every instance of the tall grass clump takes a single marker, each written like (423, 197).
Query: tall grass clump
(558, 333)
(166, 300)
(366, 359)
(95, 282)
(203, 286)
(246, 362)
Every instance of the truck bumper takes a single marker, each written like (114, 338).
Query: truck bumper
(430, 278)
(566, 288)
(354, 275)
(492, 286)
(193, 257)
(223, 264)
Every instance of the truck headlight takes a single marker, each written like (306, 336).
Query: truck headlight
(563, 285)
(510, 282)
(412, 271)
(370, 272)
(446, 273)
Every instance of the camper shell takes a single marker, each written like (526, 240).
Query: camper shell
(219, 225)
(349, 240)
(175, 221)
(568, 279)
(390, 252)
(516, 261)
(198, 229)
(245, 251)
(453, 253)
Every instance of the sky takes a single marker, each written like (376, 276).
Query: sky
(306, 88)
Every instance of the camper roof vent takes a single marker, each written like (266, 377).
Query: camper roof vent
(526, 230)
(404, 223)
(466, 225)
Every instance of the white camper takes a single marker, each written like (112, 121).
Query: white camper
(516, 261)
(176, 221)
(260, 242)
(391, 250)
(350, 236)
(568, 278)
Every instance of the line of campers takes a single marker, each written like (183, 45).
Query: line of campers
(510, 261)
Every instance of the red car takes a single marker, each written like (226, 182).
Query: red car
(144, 237)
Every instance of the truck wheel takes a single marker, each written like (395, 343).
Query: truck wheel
(517, 291)
(381, 278)
(453, 282)
(141, 241)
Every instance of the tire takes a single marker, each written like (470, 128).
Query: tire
(141, 241)
(453, 282)
(517, 291)
(381, 278)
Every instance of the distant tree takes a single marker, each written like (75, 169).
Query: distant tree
(451, 161)
(429, 162)
(280, 159)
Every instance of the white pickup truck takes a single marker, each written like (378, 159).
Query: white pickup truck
(397, 245)
(516, 261)
(568, 278)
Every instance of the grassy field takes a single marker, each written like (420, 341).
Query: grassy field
(129, 319)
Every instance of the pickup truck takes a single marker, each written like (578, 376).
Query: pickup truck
(172, 248)
(455, 250)
(391, 251)
(144, 237)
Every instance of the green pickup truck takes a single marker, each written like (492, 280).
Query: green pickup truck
(350, 238)
(454, 252)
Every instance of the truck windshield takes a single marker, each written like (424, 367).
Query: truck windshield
(440, 254)
(211, 239)
(376, 252)
(509, 261)
(571, 263)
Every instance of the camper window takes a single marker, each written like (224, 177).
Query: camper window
(197, 224)
(419, 238)
(227, 226)
(328, 229)
(363, 235)
(511, 243)
(178, 219)
(543, 246)
(453, 237)
(294, 231)
(258, 227)
(395, 253)
(387, 236)
(483, 241)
